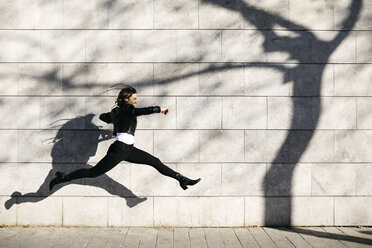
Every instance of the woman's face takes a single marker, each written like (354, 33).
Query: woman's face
(132, 99)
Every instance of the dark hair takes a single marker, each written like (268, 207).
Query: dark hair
(125, 93)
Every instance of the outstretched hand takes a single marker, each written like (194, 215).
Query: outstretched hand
(164, 110)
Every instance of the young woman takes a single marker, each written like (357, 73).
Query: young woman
(124, 119)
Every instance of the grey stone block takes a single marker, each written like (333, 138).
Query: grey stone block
(294, 113)
(141, 185)
(20, 46)
(222, 211)
(153, 46)
(212, 142)
(353, 146)
(37, 146)
(237, 112)
(40, 79)
(242, 46)
(227, 15)
(207, 110)
(177, 145)
(312, 146)
(81, 146)
(311, 80)
(46, 212)
(11, 179)
(8, 217)
(10, 11)
(363, 178)
(312, 211)
(119, 214)
(176, 79)
(140, 76)
(83, 79)
(221, 79)
(312, 14)
(20, 112)
(9, 106)
(364, 47)
(342, 11)
(266, 146)
(62, 45)
(144, 140)
(274, 8)
(131, 14)
(9, 79)
(338, 113)
(90, 15)
(27, 112)
(243, 179)
(181, 211)
(97, 106)
(158, 120)
(288, 179)
(108, 46)
(358, 206)
(277, 211)
(329, 179)
(85, 211)
(254, 211)
(9, 144)
(353, 80)
(210, 174)
(55, 112)
(176, 14)
(265, 80)
(286, 46)
(324, 50)
(198, 46)
(364, 117)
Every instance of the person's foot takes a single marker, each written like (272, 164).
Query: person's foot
(184, 181)
(60, 176)
(13, 200)
(131, 202)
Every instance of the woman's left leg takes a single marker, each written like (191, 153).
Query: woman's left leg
(141, 157)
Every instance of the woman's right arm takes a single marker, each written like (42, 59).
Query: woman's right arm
(106, 117)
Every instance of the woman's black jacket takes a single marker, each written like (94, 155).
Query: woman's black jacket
(124, 117)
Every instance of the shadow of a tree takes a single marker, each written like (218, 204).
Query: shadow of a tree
(296, 47)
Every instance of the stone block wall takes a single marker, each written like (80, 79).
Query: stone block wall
(269, 104)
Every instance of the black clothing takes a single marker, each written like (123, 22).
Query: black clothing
(118, 152)
(124, 117)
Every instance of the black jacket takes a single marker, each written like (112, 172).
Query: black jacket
(124, 117)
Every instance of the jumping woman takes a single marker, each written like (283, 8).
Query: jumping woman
(124, 119)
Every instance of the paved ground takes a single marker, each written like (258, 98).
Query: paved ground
(186, 237)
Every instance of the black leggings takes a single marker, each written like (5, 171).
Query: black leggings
(118, 152)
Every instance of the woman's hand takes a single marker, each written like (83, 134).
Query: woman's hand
(164, 110)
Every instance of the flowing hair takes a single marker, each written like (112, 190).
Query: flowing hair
(125, 93)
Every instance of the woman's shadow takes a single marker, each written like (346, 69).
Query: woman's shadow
(72, 146)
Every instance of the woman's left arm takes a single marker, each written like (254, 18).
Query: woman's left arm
(143, 111)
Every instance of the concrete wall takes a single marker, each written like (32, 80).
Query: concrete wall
(269, 103)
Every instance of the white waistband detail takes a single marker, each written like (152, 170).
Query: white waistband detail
(125, 138)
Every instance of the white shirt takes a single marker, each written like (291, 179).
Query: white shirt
(125, 138)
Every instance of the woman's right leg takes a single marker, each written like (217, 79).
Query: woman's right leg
(105, 164)
(116, 153)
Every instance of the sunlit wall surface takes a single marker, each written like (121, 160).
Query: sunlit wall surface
(270, 104)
